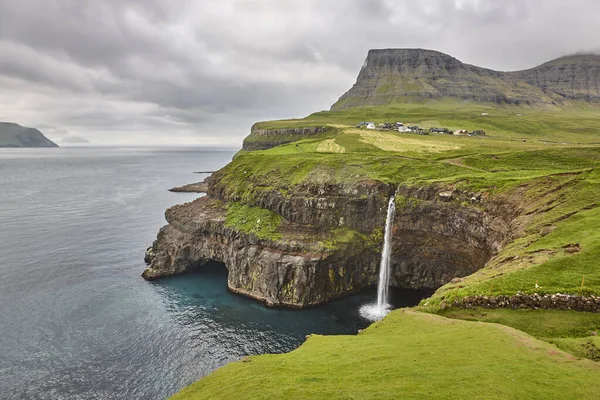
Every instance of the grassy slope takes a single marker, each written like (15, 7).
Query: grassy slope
(253, 220)
(409, 355)
(573, 332)
(554, 175)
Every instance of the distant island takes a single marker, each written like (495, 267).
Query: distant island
(15, 135)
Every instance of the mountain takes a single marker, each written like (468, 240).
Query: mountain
(574, 77)
(391, 75)
(15, 135)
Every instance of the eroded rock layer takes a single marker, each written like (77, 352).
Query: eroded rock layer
(329, 241)
(262, 139)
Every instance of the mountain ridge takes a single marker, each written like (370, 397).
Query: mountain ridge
(391, 75)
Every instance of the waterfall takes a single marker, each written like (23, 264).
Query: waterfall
(386, 253)
(377, 311)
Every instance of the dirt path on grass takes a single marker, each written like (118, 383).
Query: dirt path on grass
(459, 162)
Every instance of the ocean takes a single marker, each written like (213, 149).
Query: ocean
(77, 321)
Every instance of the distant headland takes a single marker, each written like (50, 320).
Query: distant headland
(15, 135)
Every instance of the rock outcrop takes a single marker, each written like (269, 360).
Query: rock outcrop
(263, 139)
(198, 187)
(436, 238)
(390, 75)
(292, 272)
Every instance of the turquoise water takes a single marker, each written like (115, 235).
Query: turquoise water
(78, 321)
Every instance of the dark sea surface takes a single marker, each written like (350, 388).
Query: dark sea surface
(76, 319)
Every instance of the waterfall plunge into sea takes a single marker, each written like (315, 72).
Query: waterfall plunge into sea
(377, 311)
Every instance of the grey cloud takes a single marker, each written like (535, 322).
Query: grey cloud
(202, 71)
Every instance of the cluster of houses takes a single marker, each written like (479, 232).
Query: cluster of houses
(389, 126)
(458, 132)
(400, 127)
(368, 125)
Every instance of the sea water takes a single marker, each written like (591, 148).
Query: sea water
(76, 319)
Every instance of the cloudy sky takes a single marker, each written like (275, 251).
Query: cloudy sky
(116, 72)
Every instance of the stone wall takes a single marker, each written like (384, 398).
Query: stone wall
(531, 301)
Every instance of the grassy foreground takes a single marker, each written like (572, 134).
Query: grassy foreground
(409, 355)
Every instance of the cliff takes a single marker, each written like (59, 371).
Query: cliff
(14, 135)
(573, 77)
(327, 244)
(263, 139)
(393, 75)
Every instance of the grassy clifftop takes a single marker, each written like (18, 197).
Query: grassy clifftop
(575, 122)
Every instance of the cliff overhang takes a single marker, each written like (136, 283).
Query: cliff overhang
(327, 243)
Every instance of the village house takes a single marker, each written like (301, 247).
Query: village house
(401, 127)
(364, 124)
(462, 132)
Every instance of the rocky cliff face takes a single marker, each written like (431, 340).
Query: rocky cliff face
(436, 238)
(263, 139)
(390, 75)
(572, 77)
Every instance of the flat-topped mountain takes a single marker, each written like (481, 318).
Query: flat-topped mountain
(390, 75)
(15, 135)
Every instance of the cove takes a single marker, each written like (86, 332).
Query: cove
(231, 326)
